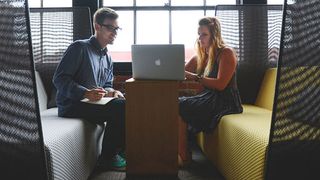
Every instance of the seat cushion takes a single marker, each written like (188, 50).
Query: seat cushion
(42, 95)
(72, 145)
(267, 89)
(238, 146)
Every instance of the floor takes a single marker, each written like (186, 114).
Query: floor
(200, 169)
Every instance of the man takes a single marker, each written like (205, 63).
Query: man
(86, 71)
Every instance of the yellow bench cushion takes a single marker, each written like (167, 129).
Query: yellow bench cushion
(238, 146)
(267, 89)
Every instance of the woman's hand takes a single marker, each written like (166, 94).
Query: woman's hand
(191, 76)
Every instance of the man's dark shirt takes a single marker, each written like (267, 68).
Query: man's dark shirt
(84, 65)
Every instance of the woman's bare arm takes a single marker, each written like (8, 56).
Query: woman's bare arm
(227, 67)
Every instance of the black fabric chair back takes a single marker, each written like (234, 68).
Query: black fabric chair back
(21, 141)
(294, 146)
(53, 30)
(254, 32)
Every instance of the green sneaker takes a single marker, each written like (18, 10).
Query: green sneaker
(123, 154)
(118, 163)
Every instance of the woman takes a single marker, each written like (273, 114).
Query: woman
(214, 68)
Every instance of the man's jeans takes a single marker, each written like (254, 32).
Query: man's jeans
(114, 114)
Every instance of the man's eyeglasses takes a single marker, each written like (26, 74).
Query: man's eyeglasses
(111, 28)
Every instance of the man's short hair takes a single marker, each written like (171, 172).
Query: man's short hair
(104, 13)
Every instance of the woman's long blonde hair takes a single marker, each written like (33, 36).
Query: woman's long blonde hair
(216, 42)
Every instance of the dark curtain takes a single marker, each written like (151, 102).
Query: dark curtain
(53, 30)
(294, 146)
(254, 32)
(21, 142)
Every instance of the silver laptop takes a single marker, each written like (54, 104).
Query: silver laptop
(158, 61)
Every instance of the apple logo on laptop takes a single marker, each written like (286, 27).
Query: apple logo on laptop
(157, 62)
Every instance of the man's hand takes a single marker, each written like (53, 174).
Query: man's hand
(95, 94)
(118, 94)
(114, 93)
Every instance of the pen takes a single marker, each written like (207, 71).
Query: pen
(96, 87)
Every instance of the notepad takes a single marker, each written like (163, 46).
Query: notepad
(102, 101)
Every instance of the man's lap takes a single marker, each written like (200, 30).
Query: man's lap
(98, 113)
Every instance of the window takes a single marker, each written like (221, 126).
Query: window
(217, 2)
(49, 3)
(41, 22)
(151, 29)
(150, 3)
(122, 44)
(34, 3)
(187, 3)
(158, 22)
(276, 2)
(185, 32)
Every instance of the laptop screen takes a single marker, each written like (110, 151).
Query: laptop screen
(158, 61)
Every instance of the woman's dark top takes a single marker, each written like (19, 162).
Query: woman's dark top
(203, 112)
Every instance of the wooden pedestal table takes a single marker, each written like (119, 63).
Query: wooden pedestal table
(151, 127)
